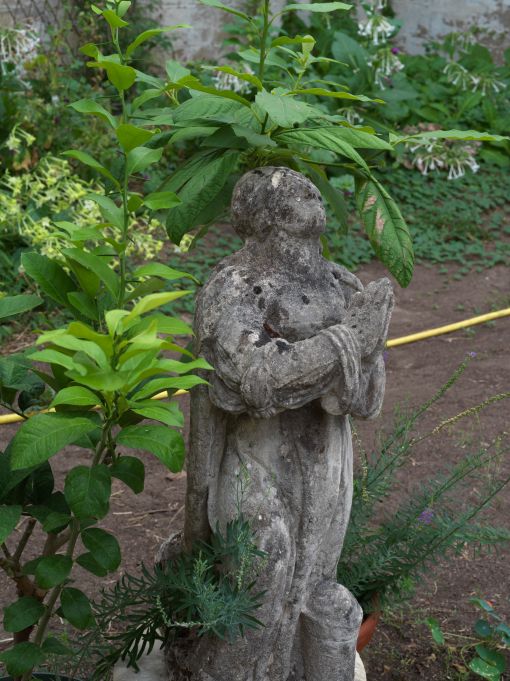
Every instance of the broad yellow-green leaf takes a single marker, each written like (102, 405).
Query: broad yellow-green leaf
(156, 269)
(317, 7)
(322, 138)
(113, 19)
(161, 200)
(76, 396)
(154, 300)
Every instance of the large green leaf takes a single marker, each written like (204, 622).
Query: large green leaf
(49, 276)
(153, 301)
(22, 658)
(11, 305)
(484, 669)
(43, 435)
(52, 570)
(76, 608)
(209, 107)
(323, 138)
(160, 384)
(22, 614)
(335, 94)
(103, 546)
(166, 444)
(386, 229)
(284, 110)
(198, 192)
(9, 518)
(87, 491)
(65, 340)
(161, 200)
(156, 269)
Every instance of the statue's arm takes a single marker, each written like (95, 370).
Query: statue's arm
(263, 375)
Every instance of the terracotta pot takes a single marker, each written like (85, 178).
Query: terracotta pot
(367, 629)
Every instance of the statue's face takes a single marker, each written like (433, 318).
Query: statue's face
(277, 200)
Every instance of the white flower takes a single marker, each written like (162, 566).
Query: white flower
(377, 29)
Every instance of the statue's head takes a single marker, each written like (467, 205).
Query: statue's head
(269, 199)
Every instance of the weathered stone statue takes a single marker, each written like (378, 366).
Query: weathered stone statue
(296, 342)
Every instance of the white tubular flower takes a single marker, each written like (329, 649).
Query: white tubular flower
(377, 29)
(485, 82)
(457, 75)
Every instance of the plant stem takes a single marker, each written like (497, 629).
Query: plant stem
(24, 539)
(263, 41)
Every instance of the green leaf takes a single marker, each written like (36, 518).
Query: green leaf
(153, 301)
(89, 106)
(193, 83)
(176, 71)
(463, 135)
(333, 134)
(120, 76)
(11, 305)
(109, 209)
(386, 229)
(240, 75)
(22, 658)
(491, 656)
(103, 546)
(131, 471)
(336, 94)
(52, 570)
(113, 19)
(88, 160)
(76, 396)
(483, 669)
(141, 158)
(435, 630)
(151, 33)
(9, 518)
(166, 444)
(198, 192)
(156, 269)
(87, 491)
(89, 563)
(151, 93)
(96, 264)
(481, 603)
(43, 435)
(65, 340)
(230, 10)
(161, 384)
(284, 110)
(53, 646)
(130, 136)
(209, 107)
(23, 614)
(322, 138)
(49, 276)
(55, 357)
(168, 413)
(76, 608)
(297, 40)
(161, 200)
(317, 7)
(482, 628)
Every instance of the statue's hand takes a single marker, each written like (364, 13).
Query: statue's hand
(369, 316)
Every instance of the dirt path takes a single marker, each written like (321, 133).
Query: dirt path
(401, 649)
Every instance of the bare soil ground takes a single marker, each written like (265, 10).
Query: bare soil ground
(402, 649)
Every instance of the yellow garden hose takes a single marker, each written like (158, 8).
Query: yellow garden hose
(438, 331)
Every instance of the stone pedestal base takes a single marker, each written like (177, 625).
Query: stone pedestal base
(152, 668)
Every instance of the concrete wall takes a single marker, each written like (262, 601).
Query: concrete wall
(426, 19)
